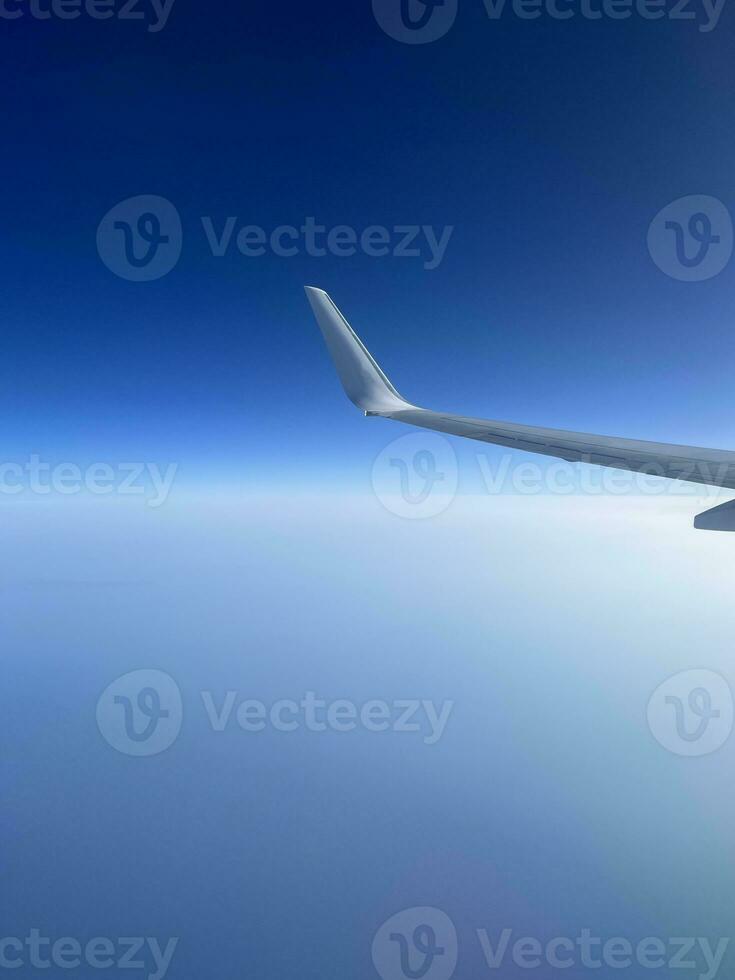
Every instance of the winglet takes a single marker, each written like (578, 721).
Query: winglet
(361, 377)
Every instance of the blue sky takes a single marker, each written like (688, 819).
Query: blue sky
(272, 569)
(548, 146)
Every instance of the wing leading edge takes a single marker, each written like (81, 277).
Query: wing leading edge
(369, 388)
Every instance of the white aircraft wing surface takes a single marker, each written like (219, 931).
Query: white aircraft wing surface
(368, 387)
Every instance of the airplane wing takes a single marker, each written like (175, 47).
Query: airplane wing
(368, 387)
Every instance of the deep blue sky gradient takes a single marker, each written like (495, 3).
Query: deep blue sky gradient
(548, 807)
(548, 145)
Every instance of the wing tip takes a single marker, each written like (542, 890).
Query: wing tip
(362, 378)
